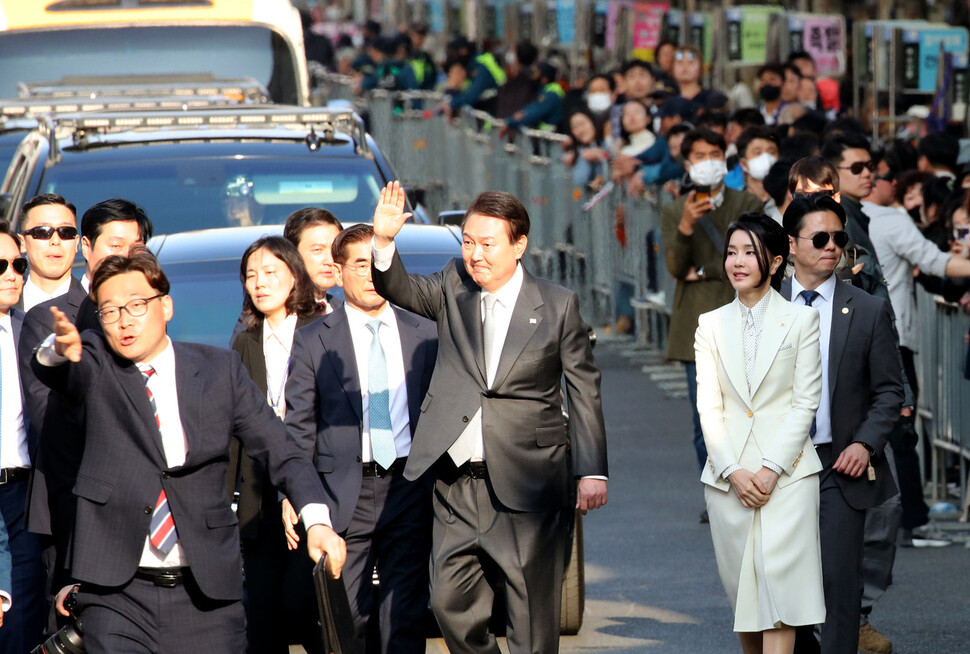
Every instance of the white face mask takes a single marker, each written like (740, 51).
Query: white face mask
(759, 166)
(599, 102)
(708, 173)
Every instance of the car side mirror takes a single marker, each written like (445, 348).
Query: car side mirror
(451, 217)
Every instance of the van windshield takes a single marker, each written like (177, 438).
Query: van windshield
(223, 51)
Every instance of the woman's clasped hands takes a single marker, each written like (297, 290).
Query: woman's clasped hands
(753, 489)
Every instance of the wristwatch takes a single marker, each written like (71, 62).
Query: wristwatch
(700, 272)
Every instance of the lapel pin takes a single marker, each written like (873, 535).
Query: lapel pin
(845, 309)
(532, 321)
(782, 323)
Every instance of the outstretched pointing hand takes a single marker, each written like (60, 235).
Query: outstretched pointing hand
(389, 215)
(67, 340)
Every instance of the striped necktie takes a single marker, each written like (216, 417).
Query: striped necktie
(162, 528)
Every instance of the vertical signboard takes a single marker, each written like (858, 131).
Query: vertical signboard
(673, 25)
(647, 28)
(824, 39)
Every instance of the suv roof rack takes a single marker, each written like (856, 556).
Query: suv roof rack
(329, 121)
(34, 106)
(244, 89)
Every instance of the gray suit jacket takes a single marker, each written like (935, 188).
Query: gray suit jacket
(865, 386)
(123, 468)
(533, 456)
(323, 399)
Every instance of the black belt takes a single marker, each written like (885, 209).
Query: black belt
(11, 475)
(473, 469)
(163, 577)
(823, 445)
(372, 469)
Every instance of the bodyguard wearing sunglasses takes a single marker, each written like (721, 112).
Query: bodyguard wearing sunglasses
(862, 393)
(49, 238)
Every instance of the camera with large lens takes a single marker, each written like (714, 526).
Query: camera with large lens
(67, 639)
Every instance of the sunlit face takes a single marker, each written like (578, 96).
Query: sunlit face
(687, 67)
(789, 89)
(11, 282)
(701, 150)
(116, 237)
(758, 147)
(49, 258)
(582, 129)
(136, 338)
(314, 247)
(856, 186)
(356, 278)
(489, 254)
(741, 262)
(809, 260)
(635, 117)
(269, 282)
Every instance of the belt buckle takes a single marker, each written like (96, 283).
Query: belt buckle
(476, 469)
(166, 580)
(3, 476)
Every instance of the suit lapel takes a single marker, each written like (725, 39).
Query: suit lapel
(525, 321)
(133, 383)
(338, 346)
(470, 307)
(253, 357)
(778, 322)
(407, 327)
(189, 386)
(839, 332)
(730, 346)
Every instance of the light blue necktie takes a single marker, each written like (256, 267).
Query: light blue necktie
(378, 403)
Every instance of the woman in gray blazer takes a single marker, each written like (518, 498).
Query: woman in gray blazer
(759, 381)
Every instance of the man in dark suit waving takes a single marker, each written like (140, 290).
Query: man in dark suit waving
(862, 393)
(492, 426)
(155, 544)
(357, 380)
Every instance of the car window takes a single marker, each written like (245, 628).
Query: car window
(228, 52)
(191, 194)
(208, 299)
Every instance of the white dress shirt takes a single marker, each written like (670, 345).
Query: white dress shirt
(823, 304)
(276, 354)
(13, 442)
(34, 294)
(390, 337)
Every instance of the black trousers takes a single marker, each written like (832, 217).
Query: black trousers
(23, 625)
(904, 441)
(142, 618)
(390, 530)
(481, 548)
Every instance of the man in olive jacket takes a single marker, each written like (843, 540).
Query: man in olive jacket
(692, 229)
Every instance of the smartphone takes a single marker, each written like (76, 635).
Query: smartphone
(703, 193)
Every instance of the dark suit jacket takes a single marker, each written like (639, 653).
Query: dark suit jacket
(323, 399)
(865, 387)
(532, 457)
(258, 498)
(123, 467)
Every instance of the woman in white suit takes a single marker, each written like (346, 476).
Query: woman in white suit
(759, 381)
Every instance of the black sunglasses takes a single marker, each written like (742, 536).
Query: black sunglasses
(859, 166)
(19, 265)
(45, 232)
(821, 239)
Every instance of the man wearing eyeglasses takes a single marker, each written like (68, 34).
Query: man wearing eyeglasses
(49, 238)
(862, 394)
(357, 380)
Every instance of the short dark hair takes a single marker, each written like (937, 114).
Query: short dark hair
(109, 211)
(792, 68)
(769, 241)
(42, 199)
(816, 169)
(300, 301)
(359, 233)
(776, 181)
(609, 80)
(637, 63)
(747, 117)
(900, 155)
(909, 179)
(506, 206)
(138, 259)
(774, 68)
(679, 128)
(794, 218)
(833, 150)
(941, 150)
(812, 123)
(757, 132)
(800, 54)
(706, 135)
(302, 219)
(711, 119)
(844, 125)
(526, 53)
(937, 190)
(798, 146)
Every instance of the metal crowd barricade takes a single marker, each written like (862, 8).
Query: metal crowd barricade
(943, 408)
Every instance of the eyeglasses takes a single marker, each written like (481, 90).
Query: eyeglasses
(362, 268)
(19, 265)
(45, 232)
(135, 308)
(859, 166)
(682, 55)
(810, 195)
(821, 239)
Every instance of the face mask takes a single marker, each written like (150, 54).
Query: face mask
(915, 214)
(599, 102)
(759, 166)
(708, 173)
(770, 92)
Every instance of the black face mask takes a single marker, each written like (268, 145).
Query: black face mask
(914, 214)
(770, 92)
